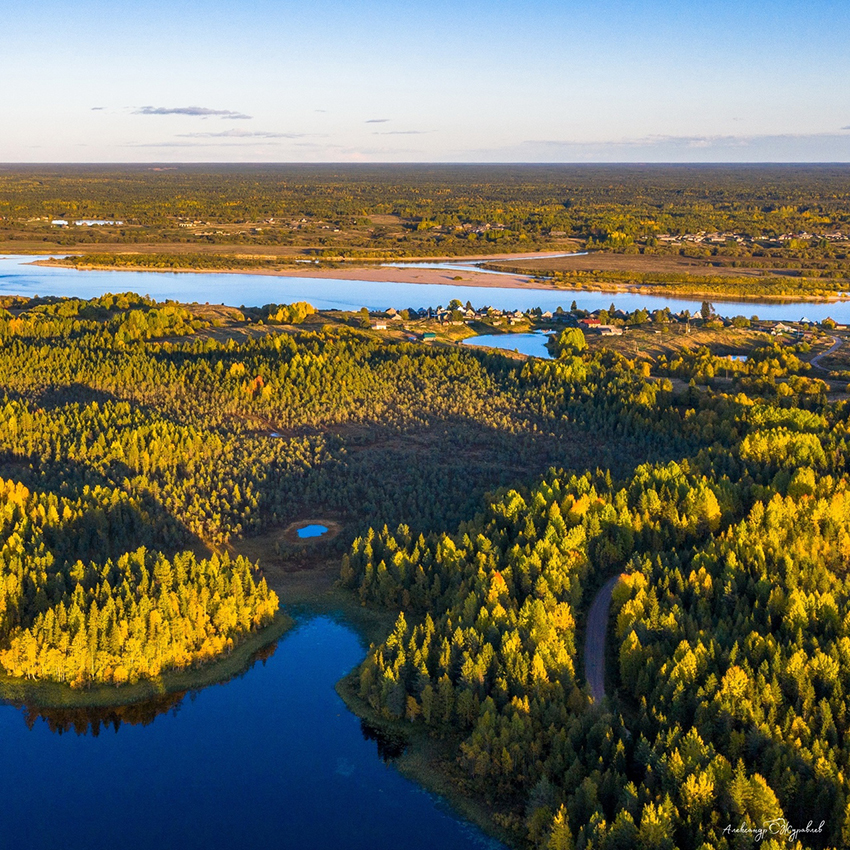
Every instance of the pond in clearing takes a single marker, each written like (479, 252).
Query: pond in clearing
(531, 343)
(271, 759)
(312, 531)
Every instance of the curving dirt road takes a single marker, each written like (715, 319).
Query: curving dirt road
(815, 361)
(594, 643)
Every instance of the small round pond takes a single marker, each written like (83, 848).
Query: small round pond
(533, 343)
(311, 531)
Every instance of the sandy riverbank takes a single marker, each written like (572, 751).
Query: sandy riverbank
(363, 272)
(382, 274)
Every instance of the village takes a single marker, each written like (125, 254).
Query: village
(717, 238)
(643, 334)
(602, 322)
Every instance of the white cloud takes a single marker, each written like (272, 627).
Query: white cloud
(194, 111)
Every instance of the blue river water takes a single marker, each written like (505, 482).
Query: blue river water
(19, 277)
(271, 759)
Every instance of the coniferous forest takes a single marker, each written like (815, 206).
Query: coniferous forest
(484, 500)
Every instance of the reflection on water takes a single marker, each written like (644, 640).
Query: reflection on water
(390, 746)
(272, 759)
(534, 344)
(91, 719)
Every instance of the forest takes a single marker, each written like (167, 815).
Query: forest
(729, 641)
(133, 449)
(375, 211)
(483, 501)
(805, 282)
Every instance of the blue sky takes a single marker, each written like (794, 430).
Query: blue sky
(609, 81)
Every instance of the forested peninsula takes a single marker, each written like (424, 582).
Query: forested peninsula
(482, 500)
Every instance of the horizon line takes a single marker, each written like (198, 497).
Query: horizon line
(627, 163)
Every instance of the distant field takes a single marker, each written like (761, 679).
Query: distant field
(773, 232)
(441, 210)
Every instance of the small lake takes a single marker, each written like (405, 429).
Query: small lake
(533, 344)
(271, 759)
(311, 531)
(19, 277)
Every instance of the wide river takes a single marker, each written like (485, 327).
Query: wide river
(271, 759)
(19, 277)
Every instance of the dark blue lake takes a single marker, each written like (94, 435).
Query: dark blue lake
(272, 759)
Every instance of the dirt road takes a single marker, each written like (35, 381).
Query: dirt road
(594, 643)
(815, 361)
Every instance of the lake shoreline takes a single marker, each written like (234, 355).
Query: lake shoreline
(472, 277)
(48, 694)
(425, 761)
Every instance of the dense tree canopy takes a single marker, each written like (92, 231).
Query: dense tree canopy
(126, 438)
(484, 498)
(729, 637)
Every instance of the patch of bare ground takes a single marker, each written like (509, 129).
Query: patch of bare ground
(281, 550)
(304, 578)
(679, 385)
(216, 313)
(830, 353)
(649, 341)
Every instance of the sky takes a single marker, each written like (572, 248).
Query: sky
(436, 81)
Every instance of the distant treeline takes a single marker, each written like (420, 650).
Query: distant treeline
(712, 286)
(403, 210)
